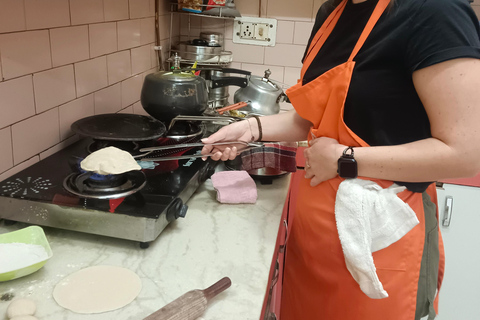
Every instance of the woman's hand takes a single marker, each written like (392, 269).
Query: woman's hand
(238, 131)
(321, 159)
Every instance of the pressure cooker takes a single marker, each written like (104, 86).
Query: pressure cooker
(167, 94)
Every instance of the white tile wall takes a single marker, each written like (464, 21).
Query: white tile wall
(103, 38)
(73, 111)
(119, 66)
(141, 59)
(35, 134)
(131, 89)
(91, 75)
(6, 156)
(47, 13)
(24, 53)
(62, 60)
(302, 32)
(69, 45)
(53, 87)
(139, 8)
(17, 102)
(108, 100)
(86, 11)
(115, 10)
(128, 34)
(12, 16)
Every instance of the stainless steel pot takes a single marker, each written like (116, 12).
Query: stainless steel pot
(264, 95)
(198, 50)
(214, 39)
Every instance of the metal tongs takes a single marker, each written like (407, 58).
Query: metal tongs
(147, 151)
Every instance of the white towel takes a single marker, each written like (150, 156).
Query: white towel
(369, 218)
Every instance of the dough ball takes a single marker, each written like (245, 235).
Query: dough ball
(97, 289)
(109, 160)
(21, 307)
(24, 318)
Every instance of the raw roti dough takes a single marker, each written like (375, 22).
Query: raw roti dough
(109, 160)
(21, 307)
(97, 289)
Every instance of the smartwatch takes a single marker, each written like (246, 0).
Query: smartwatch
(347, 166)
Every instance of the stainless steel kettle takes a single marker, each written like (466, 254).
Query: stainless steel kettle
(264, 95)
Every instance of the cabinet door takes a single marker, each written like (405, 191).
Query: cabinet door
(460, 292)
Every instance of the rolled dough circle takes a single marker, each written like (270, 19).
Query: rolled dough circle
(97, 289)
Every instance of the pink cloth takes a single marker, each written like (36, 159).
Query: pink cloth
(234, 187)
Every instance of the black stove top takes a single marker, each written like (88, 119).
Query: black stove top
(169, 184)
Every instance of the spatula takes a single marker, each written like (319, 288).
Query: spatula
(190, 305)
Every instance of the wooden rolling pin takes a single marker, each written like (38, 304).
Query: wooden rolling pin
(190, 305)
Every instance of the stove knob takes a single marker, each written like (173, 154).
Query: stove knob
(207, 171)
(176, 210)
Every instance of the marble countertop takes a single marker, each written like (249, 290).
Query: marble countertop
(213, 241)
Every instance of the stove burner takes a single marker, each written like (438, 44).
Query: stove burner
(22, 187)
(96, 186)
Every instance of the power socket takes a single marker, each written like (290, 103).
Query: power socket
(247, 30)
(256, 31)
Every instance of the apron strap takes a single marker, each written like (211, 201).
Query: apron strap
(377, 13)
(321, 36)
(326, 29)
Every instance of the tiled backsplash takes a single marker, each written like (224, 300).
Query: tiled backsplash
(62, 60)
(295, 21)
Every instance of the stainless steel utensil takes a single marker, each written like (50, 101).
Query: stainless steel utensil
(149, 150)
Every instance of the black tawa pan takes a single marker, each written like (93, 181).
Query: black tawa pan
(120, 127)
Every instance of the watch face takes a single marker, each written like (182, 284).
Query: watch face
(347, 168)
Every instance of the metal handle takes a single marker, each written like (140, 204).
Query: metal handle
(199, 144)
(212, 119)
(447, 212)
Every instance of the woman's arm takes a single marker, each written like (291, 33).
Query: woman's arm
(450, 93)
(286, 126)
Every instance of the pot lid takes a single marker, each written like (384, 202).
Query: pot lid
(177, 76)
(264, 82)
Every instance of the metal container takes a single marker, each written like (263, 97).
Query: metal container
(264, 95)
(214, 39)
(198, 50)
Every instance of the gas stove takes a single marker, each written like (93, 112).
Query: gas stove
(42, 195)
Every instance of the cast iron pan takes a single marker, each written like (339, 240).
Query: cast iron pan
(120, 127)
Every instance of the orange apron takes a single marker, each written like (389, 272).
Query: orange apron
(317, 284)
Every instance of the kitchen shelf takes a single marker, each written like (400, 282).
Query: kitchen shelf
(222, 59)
(175, 9)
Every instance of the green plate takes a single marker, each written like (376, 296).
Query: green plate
(29, 235)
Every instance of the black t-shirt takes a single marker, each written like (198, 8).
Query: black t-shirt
(382, 106)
